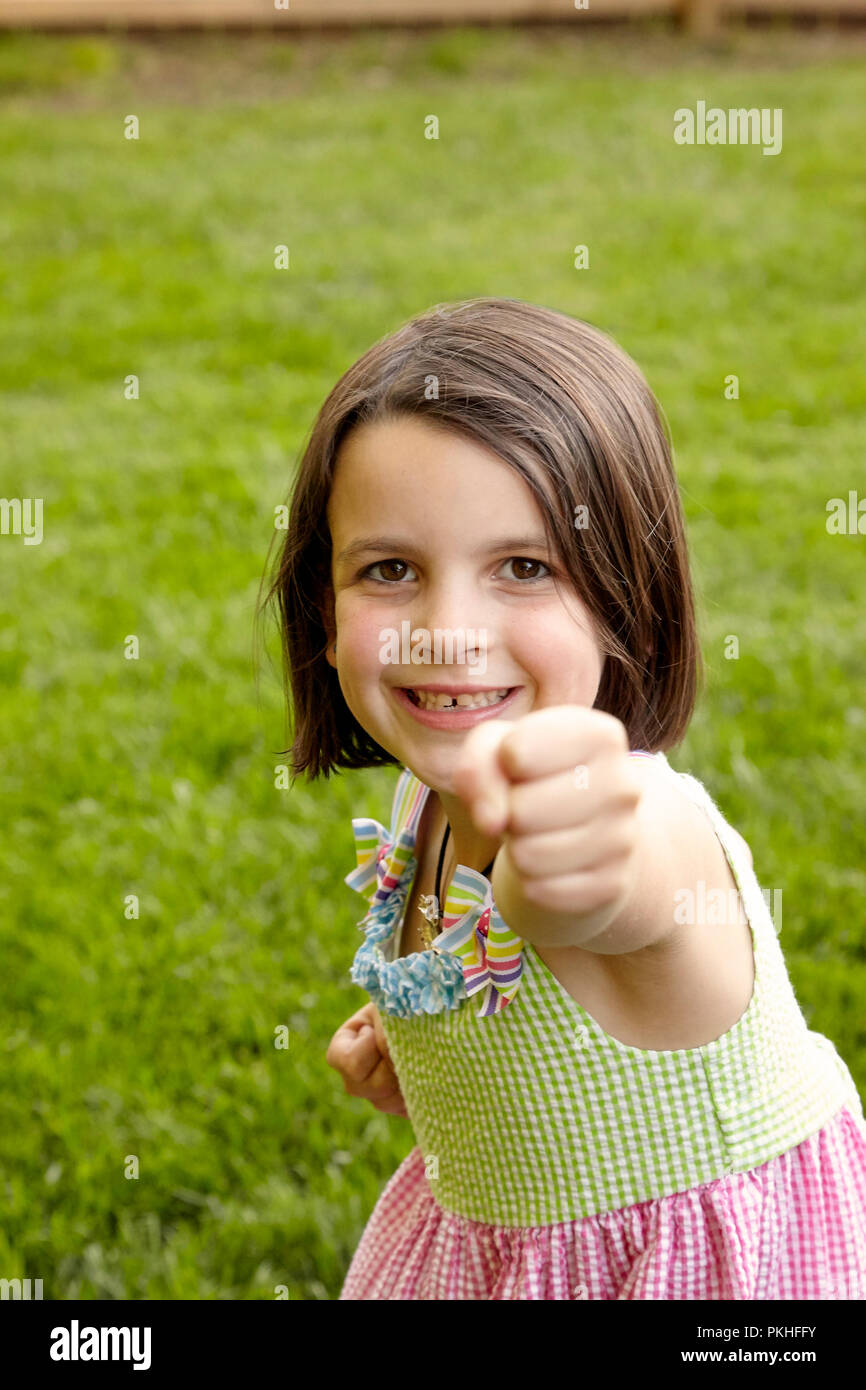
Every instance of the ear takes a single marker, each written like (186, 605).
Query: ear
(330, 625)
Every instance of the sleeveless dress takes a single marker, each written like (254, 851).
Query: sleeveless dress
(553, 1161)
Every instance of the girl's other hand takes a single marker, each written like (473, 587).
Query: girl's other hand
(359, 1052)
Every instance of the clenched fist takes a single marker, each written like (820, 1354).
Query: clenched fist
(560, 787)
(359, 1052)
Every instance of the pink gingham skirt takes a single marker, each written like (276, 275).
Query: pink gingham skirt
(792, 1228)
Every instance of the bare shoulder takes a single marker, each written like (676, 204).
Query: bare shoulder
(671, 779)
(649, 980)
(678, 849)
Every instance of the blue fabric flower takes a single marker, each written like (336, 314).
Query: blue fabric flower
(476, 952)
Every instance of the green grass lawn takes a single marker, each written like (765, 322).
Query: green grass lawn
(154, 1036)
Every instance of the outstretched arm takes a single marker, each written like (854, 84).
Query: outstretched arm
(594, 840)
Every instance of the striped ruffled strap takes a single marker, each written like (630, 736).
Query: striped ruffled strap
(382, 858)
(371, 841)
(490, 953)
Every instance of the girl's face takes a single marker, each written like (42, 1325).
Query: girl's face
(453, 541)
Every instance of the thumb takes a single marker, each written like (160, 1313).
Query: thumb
(366, 1053)
(479, 778)
(365, 1040)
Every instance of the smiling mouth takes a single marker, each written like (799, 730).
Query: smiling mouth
(433, 701)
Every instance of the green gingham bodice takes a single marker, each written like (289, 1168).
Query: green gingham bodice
(532, 1114)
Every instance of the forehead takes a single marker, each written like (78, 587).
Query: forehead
(406, 465)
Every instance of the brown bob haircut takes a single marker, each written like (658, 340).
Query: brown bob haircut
(560, 403)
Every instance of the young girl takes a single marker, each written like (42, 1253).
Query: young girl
(577, 990)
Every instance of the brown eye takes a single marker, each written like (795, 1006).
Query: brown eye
(385, 565)
(519, 561)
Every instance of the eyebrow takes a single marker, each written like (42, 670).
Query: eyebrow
(401, 545)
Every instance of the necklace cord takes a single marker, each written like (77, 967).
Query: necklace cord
(441, 860)
(439, 869)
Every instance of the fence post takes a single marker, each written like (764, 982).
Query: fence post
(701, 18)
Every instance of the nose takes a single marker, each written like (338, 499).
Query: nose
(453, 605)
(450, 605)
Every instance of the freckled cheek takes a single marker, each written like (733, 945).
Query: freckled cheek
(562, 661)
(360, 643)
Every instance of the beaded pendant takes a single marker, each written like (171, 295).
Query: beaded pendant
(428, 906)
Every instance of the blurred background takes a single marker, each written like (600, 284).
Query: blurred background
(166, 905)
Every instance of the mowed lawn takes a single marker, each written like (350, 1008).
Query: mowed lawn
(154, 1142)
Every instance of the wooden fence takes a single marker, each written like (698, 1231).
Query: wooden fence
(697, 15)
